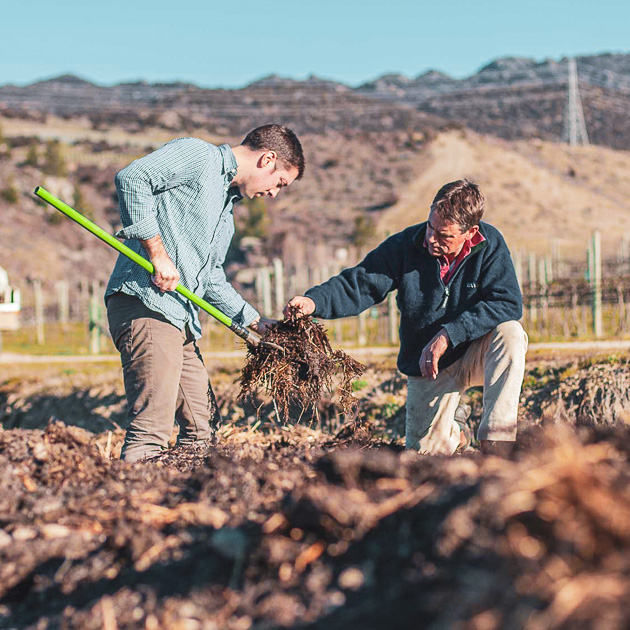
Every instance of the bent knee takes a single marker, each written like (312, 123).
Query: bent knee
(512, 335)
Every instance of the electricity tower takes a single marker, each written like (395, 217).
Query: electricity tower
(574, 126)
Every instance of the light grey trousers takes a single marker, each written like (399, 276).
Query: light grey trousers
(165, 379)
(496, 361)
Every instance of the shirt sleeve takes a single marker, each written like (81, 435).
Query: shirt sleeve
(224, 296)
(177, 162)
(356, 288)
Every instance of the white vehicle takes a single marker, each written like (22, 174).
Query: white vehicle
(9, 304)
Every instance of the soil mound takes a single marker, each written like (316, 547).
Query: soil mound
(278, 529)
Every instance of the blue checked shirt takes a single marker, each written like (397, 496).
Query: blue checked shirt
(181, 192)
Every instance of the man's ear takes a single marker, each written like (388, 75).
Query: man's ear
(473, 230)
(268, 158)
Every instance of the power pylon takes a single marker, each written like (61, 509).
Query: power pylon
(574, 126)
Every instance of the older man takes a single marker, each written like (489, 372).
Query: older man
(459, 302)
(176, 206)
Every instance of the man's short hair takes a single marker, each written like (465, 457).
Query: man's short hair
(459, 202)
(281, 140)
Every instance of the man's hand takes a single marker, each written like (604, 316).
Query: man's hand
(262, 324)
(432, 353)
(305, 305)
(165, 276)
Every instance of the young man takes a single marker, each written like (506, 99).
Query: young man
(176, 206)
(459, 302)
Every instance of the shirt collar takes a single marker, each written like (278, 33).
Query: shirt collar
(229, 161)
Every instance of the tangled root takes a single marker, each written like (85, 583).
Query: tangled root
(303, 370)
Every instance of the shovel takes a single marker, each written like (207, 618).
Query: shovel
(249, 336)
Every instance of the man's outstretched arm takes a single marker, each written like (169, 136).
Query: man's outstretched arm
(353, 290)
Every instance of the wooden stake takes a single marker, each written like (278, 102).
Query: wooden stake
(278, 279)
(596, 265)
(39, 312)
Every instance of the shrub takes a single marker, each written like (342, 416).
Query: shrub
(54, 162)
(32, 156)
(10, 194)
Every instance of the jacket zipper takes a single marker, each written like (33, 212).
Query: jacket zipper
(447, 291)
(444, 302)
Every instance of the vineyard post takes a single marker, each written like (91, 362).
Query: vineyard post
(533, 288)
(362, 336)
(94, 325)
(63, 302)
(278, 279)
(556, 264)
(544, 300)
(338, 328)
(263, 289)
(84, 298)
(596, 283)
(39, 311)
(518, 267)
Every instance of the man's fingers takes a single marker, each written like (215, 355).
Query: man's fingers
(165, 283)
(434, 368)
(429, 366)
(305, 305)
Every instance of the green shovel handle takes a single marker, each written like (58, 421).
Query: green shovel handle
(246, 334)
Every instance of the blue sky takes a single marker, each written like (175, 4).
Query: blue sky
(229, 44)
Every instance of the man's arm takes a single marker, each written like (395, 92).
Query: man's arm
(222, 295)
(351, 291)
(137, 184)
(165, 276)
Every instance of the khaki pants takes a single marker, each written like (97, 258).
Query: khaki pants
(165, 379)
(496, 361)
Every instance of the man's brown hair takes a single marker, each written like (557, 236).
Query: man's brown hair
(281, 140)
(459, 202)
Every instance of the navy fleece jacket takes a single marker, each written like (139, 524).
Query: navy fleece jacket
(482, 293)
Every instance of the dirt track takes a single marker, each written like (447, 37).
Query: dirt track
(291, 526)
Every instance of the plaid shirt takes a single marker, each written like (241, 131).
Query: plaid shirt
(181, 192)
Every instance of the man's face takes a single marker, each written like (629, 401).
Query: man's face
(269, 177)
(445, 238)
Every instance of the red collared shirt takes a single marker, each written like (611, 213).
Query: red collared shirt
(448, 269)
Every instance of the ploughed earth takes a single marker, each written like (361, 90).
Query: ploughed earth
(326, 523)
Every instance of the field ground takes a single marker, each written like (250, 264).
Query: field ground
(323, 524)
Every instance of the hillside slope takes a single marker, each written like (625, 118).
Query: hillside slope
(535, 191)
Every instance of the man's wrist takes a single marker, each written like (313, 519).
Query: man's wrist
(155, 248)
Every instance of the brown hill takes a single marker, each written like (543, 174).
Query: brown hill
(536, 191)
(510, 97)
(349, 174)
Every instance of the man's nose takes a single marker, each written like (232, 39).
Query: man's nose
(273, 193)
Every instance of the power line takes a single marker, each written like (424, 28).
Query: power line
(574, 125)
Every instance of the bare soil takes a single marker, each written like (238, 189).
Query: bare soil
(332, 526)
